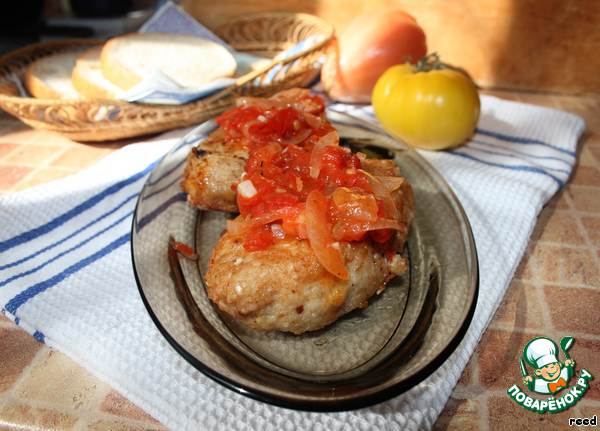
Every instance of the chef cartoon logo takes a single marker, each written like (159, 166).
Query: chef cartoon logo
(549, 376)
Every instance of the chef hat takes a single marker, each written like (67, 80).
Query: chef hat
(540, 352)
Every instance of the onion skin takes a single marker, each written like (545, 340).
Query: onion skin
(372, 43)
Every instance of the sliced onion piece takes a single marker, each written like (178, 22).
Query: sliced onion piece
(319, 235)
(384, 224)
(300, 137)
(312, 120)
(382, 192)
(391, 183)
(288, 213)
(318, 150)
(240, 225)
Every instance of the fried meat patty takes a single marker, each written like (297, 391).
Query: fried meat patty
(285, 288)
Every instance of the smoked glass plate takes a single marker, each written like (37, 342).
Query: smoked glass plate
(365, 357)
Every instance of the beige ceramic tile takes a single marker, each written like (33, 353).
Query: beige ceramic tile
(522, 307)
(20, 416)
(559, 200)
(42, 176)
(595, 151)
(468, 375)
(556, 264)
(505, 415)
(11, 175)
(460, 415)
(116, 404)
(589, 408)
(525, 268)
(586, 176)
(20, 134)
(578, 266)
(557, 226)
(17, 349)
(32, 155)
(57, 379)
(592, 227)
(105, 425)
(584, 198)
(498, 352)
(582, 317)
(80, 156)
(586, 157)
(6, 148)
(540, 99)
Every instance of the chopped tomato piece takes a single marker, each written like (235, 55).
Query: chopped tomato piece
(184, 249)
(259, 238)
(381, 236)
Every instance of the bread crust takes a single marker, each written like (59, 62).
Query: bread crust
(37, 86)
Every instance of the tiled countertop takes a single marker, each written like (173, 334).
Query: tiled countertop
(555, 292)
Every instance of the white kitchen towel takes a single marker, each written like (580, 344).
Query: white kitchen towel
(66, 274)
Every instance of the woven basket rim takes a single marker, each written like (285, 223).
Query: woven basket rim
(328, 28)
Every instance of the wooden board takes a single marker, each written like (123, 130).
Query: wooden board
(549, 45)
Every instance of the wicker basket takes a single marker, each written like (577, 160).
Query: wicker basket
(101, 120)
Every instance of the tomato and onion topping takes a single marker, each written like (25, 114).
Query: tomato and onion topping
(299, 183)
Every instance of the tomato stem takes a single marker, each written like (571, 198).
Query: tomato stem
(430, 62)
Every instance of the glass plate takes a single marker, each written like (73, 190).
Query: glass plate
(365, 357)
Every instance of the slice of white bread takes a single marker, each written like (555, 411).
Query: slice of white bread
(88, 79)
(189, 61)
(50, 77)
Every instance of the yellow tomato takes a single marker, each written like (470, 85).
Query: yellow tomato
(431, 108)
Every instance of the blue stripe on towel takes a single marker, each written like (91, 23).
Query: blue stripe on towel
(509, 167)
(179, 197)
(81, 229)
(13, 305)
(162, 189)
(166, 174)
(64, 252)
(39, 336)
(485, 132)
(73, 212)
(519, 140)
(34, 290)
(512, 156)
(521, 153)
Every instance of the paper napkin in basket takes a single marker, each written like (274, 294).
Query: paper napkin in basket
(66, 274)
